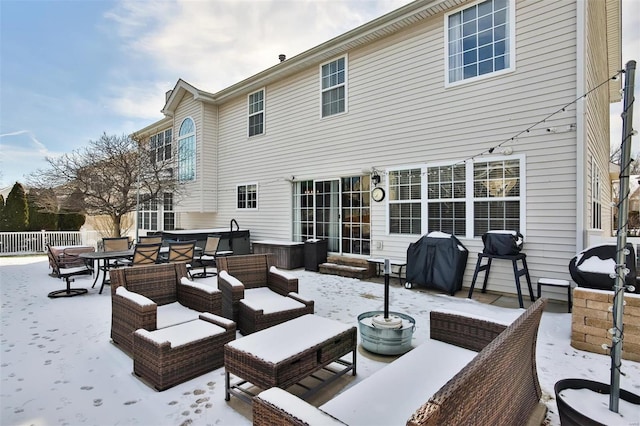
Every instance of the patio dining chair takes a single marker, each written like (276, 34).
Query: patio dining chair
(66, 273)
(146, 254)
(182, 252)
(208, 257)
(150, 239)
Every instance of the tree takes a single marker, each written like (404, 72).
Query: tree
(39, 218)
(16, 211)
(614, 157)
(2, 219)
(109, 174)
(68, 218)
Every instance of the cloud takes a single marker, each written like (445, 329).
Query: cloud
(20, 152)
(213, 45)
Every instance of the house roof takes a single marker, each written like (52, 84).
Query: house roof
(378, 28)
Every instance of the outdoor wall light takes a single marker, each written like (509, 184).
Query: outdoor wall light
(375, 178)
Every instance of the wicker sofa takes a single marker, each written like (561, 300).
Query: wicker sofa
(156, 296)
(441, 382)
(256, 294)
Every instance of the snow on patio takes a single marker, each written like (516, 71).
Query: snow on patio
(58, 365)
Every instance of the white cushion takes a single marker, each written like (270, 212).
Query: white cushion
(264, 299)
(174, 313)
(392, 394)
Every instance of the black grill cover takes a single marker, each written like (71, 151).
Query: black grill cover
(502, 243)
(437, 260)
(585, 272)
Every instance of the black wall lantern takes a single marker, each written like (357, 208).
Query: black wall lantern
(375, 178)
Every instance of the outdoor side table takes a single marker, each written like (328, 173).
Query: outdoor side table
(517, 273)
(172, 355)
(285, 354)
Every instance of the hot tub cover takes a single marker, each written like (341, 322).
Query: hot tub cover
(593, 266)
(437, 260)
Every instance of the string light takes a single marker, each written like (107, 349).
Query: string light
(548, 130)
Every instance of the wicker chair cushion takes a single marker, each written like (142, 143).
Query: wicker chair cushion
(134, 297)
(281, 398)
(268, 301)
(204, 287)
(183, 334)
(174, 313)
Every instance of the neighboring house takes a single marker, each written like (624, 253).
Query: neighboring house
(634, 200)
(426, 98)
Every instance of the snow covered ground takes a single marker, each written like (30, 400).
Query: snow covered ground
(58, 366)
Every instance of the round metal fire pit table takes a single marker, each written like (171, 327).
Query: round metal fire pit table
(385, 340)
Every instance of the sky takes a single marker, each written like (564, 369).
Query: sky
(71, 70)
(49, 378)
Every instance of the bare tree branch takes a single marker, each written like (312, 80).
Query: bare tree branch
(109, 173)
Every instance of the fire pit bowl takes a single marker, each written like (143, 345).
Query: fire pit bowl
(383, 339)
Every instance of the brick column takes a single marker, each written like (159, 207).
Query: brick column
(591, 319)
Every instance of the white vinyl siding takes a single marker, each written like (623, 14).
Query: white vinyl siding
(401, 113)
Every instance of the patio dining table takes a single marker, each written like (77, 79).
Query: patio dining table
(105, 257)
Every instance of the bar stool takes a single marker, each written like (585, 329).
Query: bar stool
(553, 282)
(517, 273)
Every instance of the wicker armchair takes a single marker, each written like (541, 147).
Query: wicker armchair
(256, 295)
(156, 296)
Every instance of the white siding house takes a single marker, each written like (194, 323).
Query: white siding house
(466, 110)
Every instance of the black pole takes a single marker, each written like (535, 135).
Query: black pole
(387, 268)
(623, 217)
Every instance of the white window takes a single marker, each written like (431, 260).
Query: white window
(247, 196)
(334, 87)
(256, 113)
(168, 215)
(187, 150)
(446, 199)
(148, 215)
(596, 193)
(150, 212)
(464, 199)
(160, 146)
(496, 196)
(405, 205)
(480, 40)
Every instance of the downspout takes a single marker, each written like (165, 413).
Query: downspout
(581, 150)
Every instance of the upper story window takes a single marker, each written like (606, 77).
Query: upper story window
(247, 196)
(405, 205)
(480, 40)
(334, 87)
(187, 150)
(160, 146)
(256, 113)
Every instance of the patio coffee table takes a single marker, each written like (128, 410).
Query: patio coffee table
(285, 354)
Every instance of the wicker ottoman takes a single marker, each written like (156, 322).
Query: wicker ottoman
(172, 355)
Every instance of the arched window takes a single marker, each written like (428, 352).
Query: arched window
(187, 150)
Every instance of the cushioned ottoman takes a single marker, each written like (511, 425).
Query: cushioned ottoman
(176, 354)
